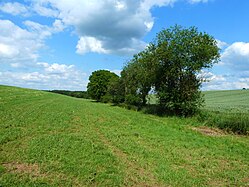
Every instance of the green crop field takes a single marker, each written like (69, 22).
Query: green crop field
(54, 140)
(227, 101)
(228, 110)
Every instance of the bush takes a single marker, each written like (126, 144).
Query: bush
(133, 100)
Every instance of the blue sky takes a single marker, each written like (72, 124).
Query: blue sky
(57, 44)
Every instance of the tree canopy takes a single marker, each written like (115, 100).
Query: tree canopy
(99, 82)
(169, 66)
(181, 53)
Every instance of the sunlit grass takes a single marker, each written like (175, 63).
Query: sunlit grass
(53, 140)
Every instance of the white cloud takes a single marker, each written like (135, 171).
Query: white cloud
(47, 76)
(235, 60)
(43, 8)
(225, 85)
(113, 26)
(221, 44)
(236, 56)
(14, 8)
(19, 45)
(209, 76)
(7, 50)
(58, 26)
(120, 5)
(56, 68)
(90, 44)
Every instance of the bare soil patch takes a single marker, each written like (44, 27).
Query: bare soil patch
(31, 169)
(209, 131)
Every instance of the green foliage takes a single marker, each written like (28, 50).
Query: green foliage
(139, 76)
(53, 140)
(116, 91)
(181, 54)
(170, 66)
(133, 99)
(99, 82)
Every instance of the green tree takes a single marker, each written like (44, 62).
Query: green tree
(116, 91)
(99, 82)
(180, 55)
(139, 75)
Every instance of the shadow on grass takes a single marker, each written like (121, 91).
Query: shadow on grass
(153, 109)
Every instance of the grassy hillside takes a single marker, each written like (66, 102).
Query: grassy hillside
(54, 140)
(228, 100)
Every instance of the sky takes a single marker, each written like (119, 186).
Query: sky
(57, 44)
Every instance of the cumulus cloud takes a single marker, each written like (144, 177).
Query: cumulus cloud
(234, 59)
(20, 45)
(90, 44)
(56, 68)
(236, 56)
(17, 44)
(113, 26)
(108, 26)
(47, 76)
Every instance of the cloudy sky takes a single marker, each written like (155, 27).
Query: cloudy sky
(57, 44)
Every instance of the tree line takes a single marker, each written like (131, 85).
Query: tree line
(169, 67)
(77, 94)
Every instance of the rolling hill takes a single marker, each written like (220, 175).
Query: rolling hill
(54, 140)
(227, 100)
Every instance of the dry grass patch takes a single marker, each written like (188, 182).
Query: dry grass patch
(208, 131)
(24, 168)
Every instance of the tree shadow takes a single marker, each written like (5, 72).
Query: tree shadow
(155, 109)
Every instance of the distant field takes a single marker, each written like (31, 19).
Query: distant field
(48, 139)
(227, 101)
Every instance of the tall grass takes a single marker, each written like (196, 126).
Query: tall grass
(232, 122)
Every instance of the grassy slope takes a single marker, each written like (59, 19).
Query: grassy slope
(228, 101)
(54, 140)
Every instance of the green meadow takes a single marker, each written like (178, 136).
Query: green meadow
(48, 139)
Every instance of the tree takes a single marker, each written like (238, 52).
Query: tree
(99, 82)
(171, 65)
(180, 55)
(138, 76)
(116, 91)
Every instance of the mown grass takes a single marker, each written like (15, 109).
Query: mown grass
(55, 140)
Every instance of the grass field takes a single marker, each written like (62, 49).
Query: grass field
(227, 101)
(227, 110)
(54, 140)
